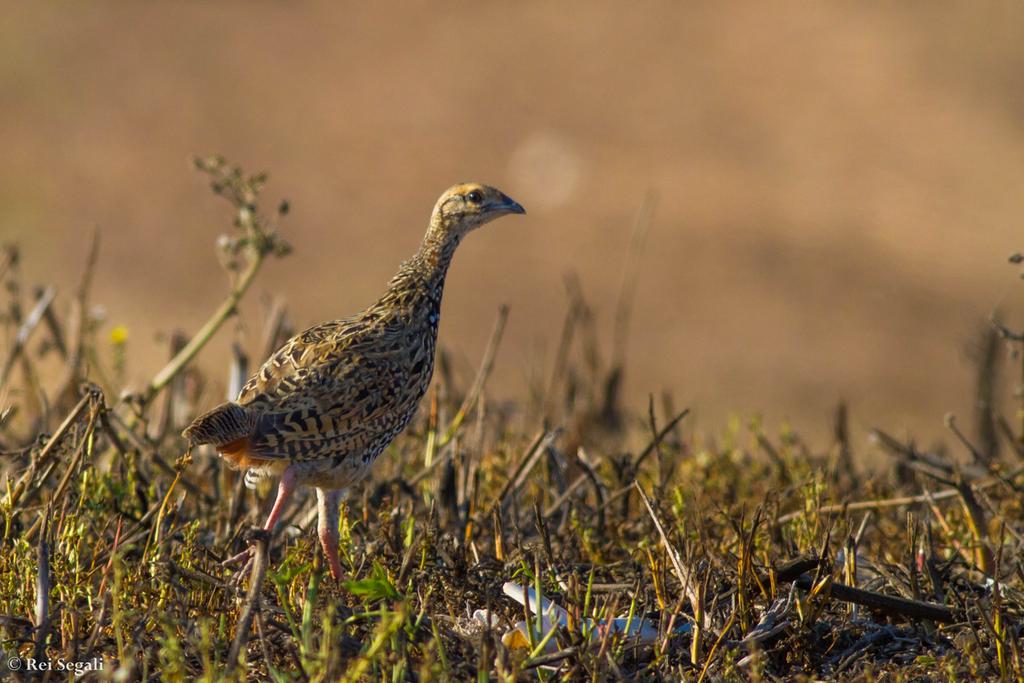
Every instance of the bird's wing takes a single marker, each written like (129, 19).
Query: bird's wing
(277, 377)
(333, 390)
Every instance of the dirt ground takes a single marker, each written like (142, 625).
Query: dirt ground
(838, 185)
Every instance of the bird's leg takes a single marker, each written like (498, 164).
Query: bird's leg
(284, 494)
(327, 502)
(285, 488)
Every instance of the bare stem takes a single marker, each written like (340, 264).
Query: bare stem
(206, 332)
(486, 365)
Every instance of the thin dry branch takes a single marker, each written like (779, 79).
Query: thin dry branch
(58, 436)
(486, 366)
(898, 501)
(28, 326)
(686, 575)
(896, 607)
(43, 585)
(631, 269)
(251, 605)
(206, 332)
(526, 465)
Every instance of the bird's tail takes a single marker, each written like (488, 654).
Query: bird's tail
(226, 423)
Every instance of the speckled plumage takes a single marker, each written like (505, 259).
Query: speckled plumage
(330, 400)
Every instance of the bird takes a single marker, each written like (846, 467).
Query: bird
(321, 409)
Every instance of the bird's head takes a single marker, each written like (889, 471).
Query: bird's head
(467, 206)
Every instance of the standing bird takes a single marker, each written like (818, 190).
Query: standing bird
(329, 401)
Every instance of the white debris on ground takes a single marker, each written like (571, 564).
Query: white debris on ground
(553, 615)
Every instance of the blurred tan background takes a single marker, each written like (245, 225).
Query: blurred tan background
(839, 184)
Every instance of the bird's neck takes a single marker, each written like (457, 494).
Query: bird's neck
(435, 255)
(419, 283)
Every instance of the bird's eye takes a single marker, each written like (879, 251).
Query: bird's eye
(475, 197)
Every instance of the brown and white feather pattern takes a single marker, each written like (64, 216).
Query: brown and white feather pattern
(349, 386)
(344, 388)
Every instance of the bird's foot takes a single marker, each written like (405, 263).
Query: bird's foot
(245, 560)
(247, 556)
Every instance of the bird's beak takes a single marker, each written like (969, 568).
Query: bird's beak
(508, 205)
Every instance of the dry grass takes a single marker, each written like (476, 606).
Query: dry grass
(754, 554)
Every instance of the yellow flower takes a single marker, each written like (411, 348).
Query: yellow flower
(119, 335)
